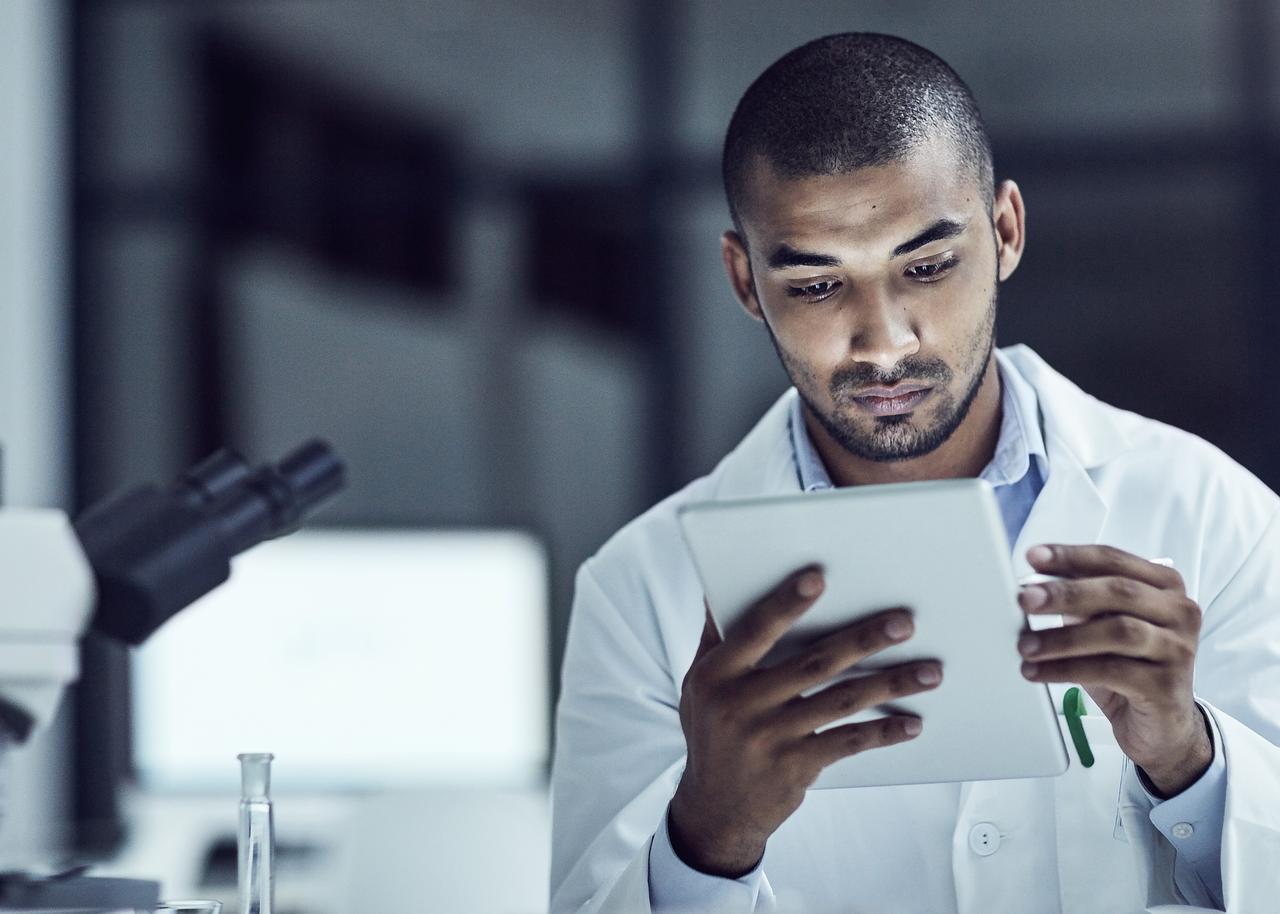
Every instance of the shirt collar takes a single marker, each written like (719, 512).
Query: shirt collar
(1020, 436)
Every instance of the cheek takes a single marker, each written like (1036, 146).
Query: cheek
(955, 321)
(818, 346)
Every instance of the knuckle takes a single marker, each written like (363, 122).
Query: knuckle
(1112, 557)
(701, 680)
(1069, 592)
(1126, 631)
(1184, 651)
(818, 664)
(849, 697)
(757, 742)
(870, 636)
(904, 682)
(897, 682)
(858, 739)
(1122, 588)
(802, 766)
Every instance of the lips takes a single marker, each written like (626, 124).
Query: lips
(892, 401)
(897, 390)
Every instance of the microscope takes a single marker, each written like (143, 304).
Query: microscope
(123, 568)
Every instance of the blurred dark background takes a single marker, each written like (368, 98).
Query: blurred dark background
(475, 244)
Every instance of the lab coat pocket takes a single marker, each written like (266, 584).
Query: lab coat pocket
(1095, 867)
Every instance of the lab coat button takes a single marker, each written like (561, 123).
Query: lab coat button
(1183, 830)
(984, 839)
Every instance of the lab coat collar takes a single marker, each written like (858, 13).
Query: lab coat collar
(1073, 421)
(764, 462)
(1079, 433)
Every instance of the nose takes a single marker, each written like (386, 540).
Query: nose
(883, 331)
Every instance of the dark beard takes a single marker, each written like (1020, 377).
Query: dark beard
(905, 445)
(892, 439)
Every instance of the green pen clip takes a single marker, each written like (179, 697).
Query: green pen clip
(1073, 708)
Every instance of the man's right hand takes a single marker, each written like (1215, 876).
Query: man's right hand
(752, 749)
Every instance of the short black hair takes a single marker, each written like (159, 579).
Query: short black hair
(850, 101)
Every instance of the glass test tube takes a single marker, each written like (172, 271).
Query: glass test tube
(256, 839)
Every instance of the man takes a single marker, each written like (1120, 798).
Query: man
(869, 240)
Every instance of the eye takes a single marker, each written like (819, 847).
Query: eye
(814, 291)
(932, 271)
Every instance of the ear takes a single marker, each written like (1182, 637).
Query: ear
(1010, 220)
(737, 264)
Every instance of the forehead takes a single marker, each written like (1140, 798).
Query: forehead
(867, 209)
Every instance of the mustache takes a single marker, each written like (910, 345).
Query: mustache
(848, 381)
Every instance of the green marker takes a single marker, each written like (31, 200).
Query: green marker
(1073, 708)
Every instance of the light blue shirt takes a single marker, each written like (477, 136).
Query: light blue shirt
(1191, 821)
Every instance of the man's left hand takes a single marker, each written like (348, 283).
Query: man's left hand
(1130, 641)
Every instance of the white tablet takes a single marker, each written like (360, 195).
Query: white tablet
(940, 549)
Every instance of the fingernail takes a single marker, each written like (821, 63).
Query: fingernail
(1029, 644)
(1029, 670)
(928, 675)
(1034, 596)
(897, 629)
(1039, 554)
(809, 585)
(912, 726)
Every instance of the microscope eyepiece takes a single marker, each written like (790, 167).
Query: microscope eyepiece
(213, 477)
(272, 500)
(155, 551)
(311, 474)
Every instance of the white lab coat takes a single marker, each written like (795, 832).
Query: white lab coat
(1113, 477)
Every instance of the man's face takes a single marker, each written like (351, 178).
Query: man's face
(878, 289)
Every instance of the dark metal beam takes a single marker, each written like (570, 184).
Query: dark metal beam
(1257, 105)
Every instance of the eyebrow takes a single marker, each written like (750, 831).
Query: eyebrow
(786, 256)
(943, 228)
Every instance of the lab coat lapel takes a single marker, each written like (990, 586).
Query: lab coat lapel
(1069, 509)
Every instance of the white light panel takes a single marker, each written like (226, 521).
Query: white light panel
(361, 658)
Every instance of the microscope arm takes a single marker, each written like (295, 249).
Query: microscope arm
(47, 596)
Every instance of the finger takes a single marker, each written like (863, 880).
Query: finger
(849, 739)
(1121, 635)
(804, 715)
(1134, 679)
(833, 654)
(1097, 560)
(1084, 598)
(760, 627)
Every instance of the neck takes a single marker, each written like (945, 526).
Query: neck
(965, 454)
